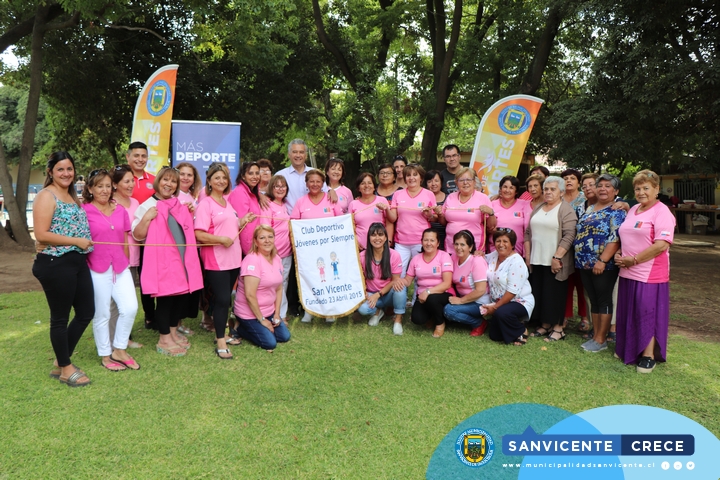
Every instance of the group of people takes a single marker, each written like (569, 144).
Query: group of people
(498, 264)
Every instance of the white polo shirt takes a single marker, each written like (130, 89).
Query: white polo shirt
(296, 185)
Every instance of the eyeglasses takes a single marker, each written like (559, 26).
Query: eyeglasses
(465, 180)
(587, 187)
(400, 157)
(168, 167)
(280, 187)
(385, 174)
(121, 167)
(97, 172)
(504, 230)
(335, 159)
(264, 171)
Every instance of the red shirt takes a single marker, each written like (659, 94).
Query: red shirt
(143, 187)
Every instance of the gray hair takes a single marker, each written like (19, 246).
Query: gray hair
(553, 179)
(297, 141)
(614, 181)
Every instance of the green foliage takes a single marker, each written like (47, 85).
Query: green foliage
(13, 103)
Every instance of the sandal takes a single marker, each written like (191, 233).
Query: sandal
(185, 330)
(589, 335)
(225, 351)
(521, 340)
(538, 333)
(584, 325)
(550, 337)
(57, 371)
(129, 363)
(113, 366)
(176, 351)
(231, 341)
(72, 380)
(612, 336)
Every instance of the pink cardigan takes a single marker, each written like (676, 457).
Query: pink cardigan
(164, 272)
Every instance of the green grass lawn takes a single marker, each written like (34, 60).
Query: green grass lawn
(338, 401)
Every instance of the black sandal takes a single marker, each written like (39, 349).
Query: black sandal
(538, 333)
(550, 337)
(521, 340)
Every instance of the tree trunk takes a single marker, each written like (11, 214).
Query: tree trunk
(531, 83)
(11, 205)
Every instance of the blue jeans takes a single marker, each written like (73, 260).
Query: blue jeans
(255, 332)
(397, 299)
(467, 313)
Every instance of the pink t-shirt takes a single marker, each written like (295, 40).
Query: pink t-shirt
(378, 283)
(107, 229)
(410, 220)
(525, 196)
(134, 246)
(244, 201)
(270, 275)
(345, 196)
(213, 218)
(516, 218)
(465, 216)
(473, 270)
(365, 215)
(429, 274)
(638, 232)
(279, 223)
(186, 198)
(305, 208)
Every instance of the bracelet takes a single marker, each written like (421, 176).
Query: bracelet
(559, 259)
(427, 291)
(601, 260)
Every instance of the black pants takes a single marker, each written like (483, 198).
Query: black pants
(293, 296)
(507, 323)
(550, 296)
(221, 282)
(147, 301)
(170, 310)
(599, 289)
(67, 284)
(431, 310)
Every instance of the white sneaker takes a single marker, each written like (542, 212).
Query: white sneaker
(307, 318)
(330, 320)
(375, 319)
(397, 329)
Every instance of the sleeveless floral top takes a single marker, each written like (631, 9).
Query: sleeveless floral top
(68, 220)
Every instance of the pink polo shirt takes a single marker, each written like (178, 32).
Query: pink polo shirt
(516, 217)
(465, 216)
(465, 276)
(279, 221)
(270, 275)
(187, 198)
(213, 218)
(378, 283)
(107, 229)
(410, 220)
(305, 208)
(143, 187)
(134, 246)
(345, 196)
(365, 215)
(429, 274)
(638, 232)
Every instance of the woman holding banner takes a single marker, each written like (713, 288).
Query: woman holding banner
(277, 217)
(368, 209)
(246, 201)
(433, 269)
(316, 204)
(382, 267)
(216, 223)
(259, 293)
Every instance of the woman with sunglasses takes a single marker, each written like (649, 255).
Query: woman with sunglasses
(368, 208)
(112, 279)
(170, 267)
(335, 176)
(62, 235)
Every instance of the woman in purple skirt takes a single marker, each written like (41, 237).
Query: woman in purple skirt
(643, 311)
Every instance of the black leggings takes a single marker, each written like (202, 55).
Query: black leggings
(170, 310)
(221, 282)
(432, 309)
(147, 301)
(599, 289)
(550, 296)
(67, 284)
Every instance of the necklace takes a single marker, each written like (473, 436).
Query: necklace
(102, 214)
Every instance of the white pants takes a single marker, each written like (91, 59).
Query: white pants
(122, 291)
(286, 263)
(407, 252)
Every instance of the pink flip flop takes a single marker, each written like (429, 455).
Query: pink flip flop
(131, 363)
(112, 366)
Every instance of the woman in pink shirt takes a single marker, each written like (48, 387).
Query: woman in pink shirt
(217, 223)
(278, 220)
(433, 269)
(470, 280)
(412, 211)
(467, 209)
(111, 276)
(246, 201)
(316, 204)
(368, 209)
(257, 302)
(511, 212)
(643, 311)
(190, 183)
(335, 176)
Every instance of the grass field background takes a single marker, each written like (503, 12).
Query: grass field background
(338, 401)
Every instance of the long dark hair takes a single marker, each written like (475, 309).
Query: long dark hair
(385, 270)
(52, 161)
(241, 177)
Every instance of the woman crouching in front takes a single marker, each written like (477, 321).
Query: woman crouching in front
(259, 293)
(382, 267)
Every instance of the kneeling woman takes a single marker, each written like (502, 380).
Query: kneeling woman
(259, 293)
(470, 280)
(433, 269)
(510, 290)
(382, 268)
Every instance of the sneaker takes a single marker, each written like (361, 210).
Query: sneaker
(397, 329)
(596, 347)
(645, 365)
(307, 318)
(375, 319)
(587, 344)
(478, 331)
(330, 320)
